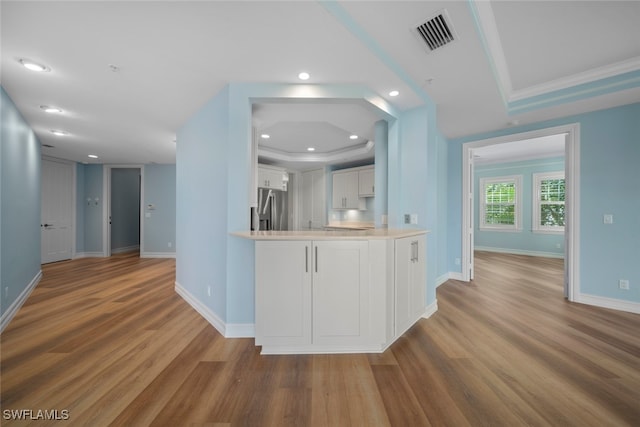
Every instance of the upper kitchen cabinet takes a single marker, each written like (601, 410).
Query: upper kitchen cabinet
(366, 182)
(345, 190)
(272, 178)
(350, 186)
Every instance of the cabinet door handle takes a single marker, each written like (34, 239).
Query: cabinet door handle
(316, 263)
(306, 259)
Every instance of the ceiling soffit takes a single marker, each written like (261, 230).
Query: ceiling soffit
(502, 37)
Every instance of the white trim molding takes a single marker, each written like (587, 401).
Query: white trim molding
(232, 330)
(610, 303)
(430, 310)
(88, 255)
(608, 78)
(520, 252)
(157, 254)
(11, 311)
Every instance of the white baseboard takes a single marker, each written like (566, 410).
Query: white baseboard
(441, 279)
(231, 330)
(132, 248)
(612, 303)
(454, 275)
(157, 254)
(11, 311)
(519, 252)
(430, 310)
(240, 330)
(88, 255)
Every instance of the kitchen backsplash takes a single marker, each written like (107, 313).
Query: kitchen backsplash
(354, 215)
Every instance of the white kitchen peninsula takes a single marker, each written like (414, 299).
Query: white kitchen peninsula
(337, 291)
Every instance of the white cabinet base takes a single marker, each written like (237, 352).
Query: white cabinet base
(337, 296)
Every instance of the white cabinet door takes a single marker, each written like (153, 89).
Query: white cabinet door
(345, 190)
(313, 205)
(341, 302)
(312, 296)
(366, 182)
(271, 178)
(410, 281)
(283, 293)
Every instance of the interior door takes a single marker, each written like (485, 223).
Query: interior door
(56, 211)
(471, 211)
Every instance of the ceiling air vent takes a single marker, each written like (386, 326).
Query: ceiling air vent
(437, 31)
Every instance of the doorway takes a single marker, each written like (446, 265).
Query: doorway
(123, 227)
(571, 236)
(57, 217)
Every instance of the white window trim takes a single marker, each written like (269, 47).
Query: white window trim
(535, 216)
(517, 180)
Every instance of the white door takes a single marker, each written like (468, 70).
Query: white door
(56, 211)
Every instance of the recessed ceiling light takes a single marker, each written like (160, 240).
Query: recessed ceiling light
(265, 136)
(394, 93)
(304, 76)
(353, 137)
(93, 156)
(50, 109)
(34, 66)
(59, 132)
(311, 149)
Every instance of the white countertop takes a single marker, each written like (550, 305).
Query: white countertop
(373, 234)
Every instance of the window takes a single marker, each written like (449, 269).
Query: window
(500, 203)
(548, 202)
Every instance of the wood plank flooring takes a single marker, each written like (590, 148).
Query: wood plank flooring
(109, 341)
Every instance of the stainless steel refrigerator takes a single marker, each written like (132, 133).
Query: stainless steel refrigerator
(272, 210)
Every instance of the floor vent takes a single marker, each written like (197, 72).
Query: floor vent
(437, 31)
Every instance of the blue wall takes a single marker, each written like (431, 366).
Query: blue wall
(524, 241)
(214, 168)
(201, 199)
(160, 226)
(20, 204)
(125, 208)
(609, 177)
(92, 209)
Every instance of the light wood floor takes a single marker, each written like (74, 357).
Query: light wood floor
(109, 341)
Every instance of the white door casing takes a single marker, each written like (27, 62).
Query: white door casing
(572, 214)
(57, 213)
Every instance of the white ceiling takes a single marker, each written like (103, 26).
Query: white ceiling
(527, 149)
(514, 60)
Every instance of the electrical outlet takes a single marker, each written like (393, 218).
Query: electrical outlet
(170, 244)
(623, 284)
(607, 219)
(208, 290)
(414, 218)
(457, 261)
(6, 292)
